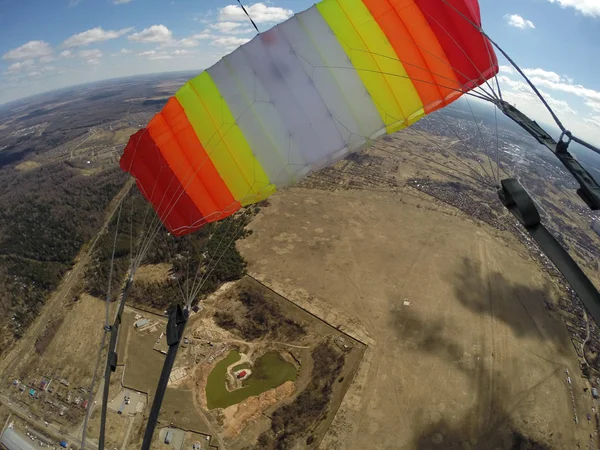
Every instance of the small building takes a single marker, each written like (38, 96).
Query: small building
(241, 374)
(84, 404)
(12, 440)
(594, 392)
(32, 392)
(141, 323)
(169, 437)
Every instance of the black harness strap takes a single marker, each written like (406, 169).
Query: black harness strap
(175, 328)
(520, 204)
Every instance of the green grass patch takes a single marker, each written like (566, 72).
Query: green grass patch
(244, 366)
(269, 371)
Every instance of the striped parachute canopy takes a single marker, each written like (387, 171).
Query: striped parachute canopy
(300, 97)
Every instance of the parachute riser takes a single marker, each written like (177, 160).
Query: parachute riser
(589, 189)
(178, 318)
(111, 360)
(516, 199)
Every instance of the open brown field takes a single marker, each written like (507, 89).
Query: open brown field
(73, 346)
(462, 352)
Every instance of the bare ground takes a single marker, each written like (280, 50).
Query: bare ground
(472, 359)
(81, 337)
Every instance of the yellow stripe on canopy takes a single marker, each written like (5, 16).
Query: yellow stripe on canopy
(376, 62)
(224, 142)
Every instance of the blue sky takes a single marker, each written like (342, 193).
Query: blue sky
(49, 44)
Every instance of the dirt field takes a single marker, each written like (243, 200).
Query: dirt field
(462, 352)
(153, 273)
(116, 427)
(142, 363)
(81, 337)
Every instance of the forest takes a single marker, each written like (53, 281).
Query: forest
(210, 252)
(46, 215)
(261, 318)
(299, 418)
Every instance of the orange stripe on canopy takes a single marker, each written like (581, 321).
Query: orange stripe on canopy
(418, 49)
(184, 153)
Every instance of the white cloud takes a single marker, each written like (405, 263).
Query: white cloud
(204, 17)
(594, 120)
(121, 2)
(185, 42)
(147, 53)
(47, 59)
(586, 7)
(90, 53)
(181, 52)
(515, 20)
(204, 35)
(66, 54)
(32, 49)
(229, 41)
(507, 69)
(153, 34)
(576, 89)
(518, 93)
(593, 105)
(230, 27)
(94, 35)
(91, 57)
(18, 66)
(259, 12)
(160, 57)
(124, 51)
(552, 76)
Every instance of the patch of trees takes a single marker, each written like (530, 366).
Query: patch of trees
(300, 418)
(46, 215)
(261, 318)
(209, 252)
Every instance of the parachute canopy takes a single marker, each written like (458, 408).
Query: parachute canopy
(300, 97)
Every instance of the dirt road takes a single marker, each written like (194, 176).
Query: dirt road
(53, 307)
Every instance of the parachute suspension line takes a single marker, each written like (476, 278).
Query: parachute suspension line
(145, 241)
(90, 399)
(531, 85)
(112, 264)
(397, 75)
(485, 94)
(480, 29)
(477, 176)
(189, 297)
(469, 149)
(241, 227)
(106, 330)
(497, 143)
(197, 285)
(250, 18)
(483, 146)
(466, 54)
